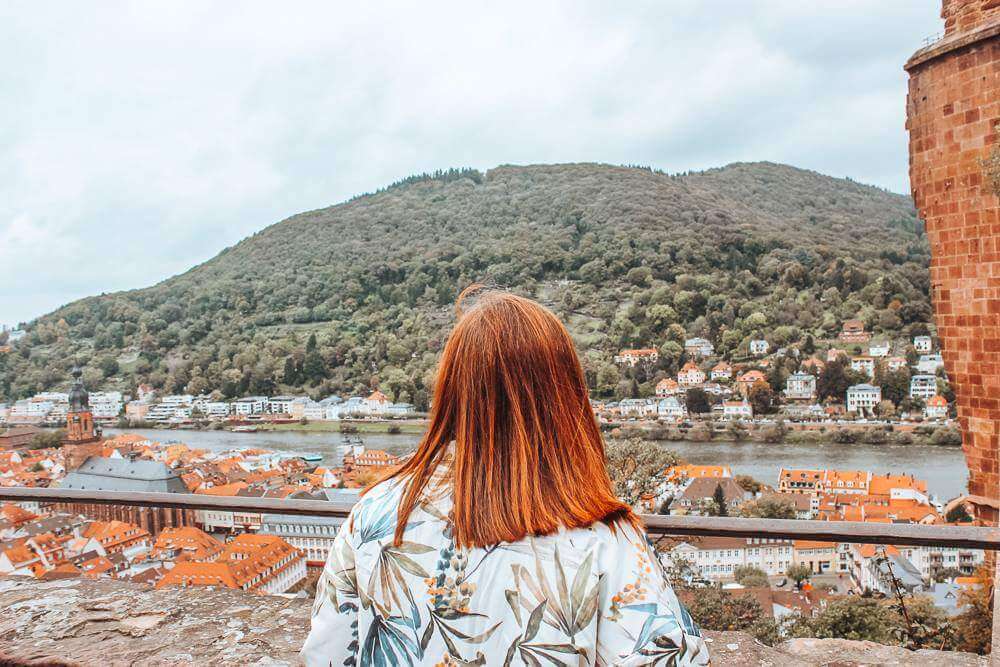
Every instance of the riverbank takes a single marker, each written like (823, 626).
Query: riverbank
(392, 427)
(937, 435)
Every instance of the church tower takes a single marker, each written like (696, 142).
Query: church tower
(82, 437)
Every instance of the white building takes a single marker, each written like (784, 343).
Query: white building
(929, 363)
(923, 386)
(737, 410)
(930, 560)
(759, 348)
(105, 404)
(699, 347)
(637, 407)
(864, 364)
(800, 387)
(923, 344)
(880, 349)
(670, 408)
(862, 398)
(280, 405)
(715, 558)
(312, 535)
(690, 375)
(250, 405)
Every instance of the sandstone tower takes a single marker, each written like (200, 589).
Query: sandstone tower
(953, 117)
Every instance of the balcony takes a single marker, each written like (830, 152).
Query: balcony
(87, 620)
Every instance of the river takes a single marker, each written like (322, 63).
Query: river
(943, 467)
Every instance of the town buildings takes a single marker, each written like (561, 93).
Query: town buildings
(800, 387)
(853, 331)
(863, 398)
(635, 357)
(690, 375)
(699, 347)
(923, 386)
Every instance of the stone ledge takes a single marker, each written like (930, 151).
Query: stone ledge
(105, 622)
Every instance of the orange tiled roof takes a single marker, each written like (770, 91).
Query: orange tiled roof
(224, 489)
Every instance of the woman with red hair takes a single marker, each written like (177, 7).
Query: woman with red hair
(500, 540)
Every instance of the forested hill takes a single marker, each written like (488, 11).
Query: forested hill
(623, 254)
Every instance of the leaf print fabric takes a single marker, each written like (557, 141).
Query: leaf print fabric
(593, 596)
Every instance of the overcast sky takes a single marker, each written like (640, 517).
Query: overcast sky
(137, 140)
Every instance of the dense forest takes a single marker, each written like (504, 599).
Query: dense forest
(361, 294)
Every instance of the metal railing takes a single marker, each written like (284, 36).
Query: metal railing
(970, 537)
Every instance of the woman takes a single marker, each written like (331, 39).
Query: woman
(500, 541)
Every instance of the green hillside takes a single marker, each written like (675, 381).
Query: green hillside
(626, 256)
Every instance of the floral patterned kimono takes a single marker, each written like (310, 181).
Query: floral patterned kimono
(578, 597)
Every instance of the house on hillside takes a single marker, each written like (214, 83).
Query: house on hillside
(853, 331)
(923, 344)
(923, 386)
(645, 355)
(748, 379)
(929, 363)
(721, 371)
(880, 349)
(895, 363)
(666, 387)
(864, 363)
(699, 347)
(690, 375)
(800, 387)
(759, 347)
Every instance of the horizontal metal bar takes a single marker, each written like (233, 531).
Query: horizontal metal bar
(968, 537)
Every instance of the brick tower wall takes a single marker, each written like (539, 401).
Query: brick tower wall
(953, 112)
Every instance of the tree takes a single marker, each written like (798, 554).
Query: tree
(748, 483)
(958, 514)
(751, 576)
(769, 507)
(833, 382)
(761, 397)
(109, 366)
(858, 618)
(798, 572)
(635, 467)
(719, 502)
(697, 401)
(313, 366)
(47, 439)
(716, 609)
(974, 625)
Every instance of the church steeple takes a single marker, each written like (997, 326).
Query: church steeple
(79, 420)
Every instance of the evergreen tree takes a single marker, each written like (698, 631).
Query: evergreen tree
(719, 500)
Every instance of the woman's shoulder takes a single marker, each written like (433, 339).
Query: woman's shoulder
(613, 538)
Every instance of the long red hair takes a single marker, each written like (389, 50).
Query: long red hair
(528, 455)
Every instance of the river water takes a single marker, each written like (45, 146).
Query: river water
(942, 467)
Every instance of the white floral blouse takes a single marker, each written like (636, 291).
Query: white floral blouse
(579, 597)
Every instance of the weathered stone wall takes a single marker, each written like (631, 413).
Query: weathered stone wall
(964, 15)
(953, 111)
(105, 622)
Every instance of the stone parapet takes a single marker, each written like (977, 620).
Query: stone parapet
(107, 623)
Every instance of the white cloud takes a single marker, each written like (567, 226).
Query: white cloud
(139, 139)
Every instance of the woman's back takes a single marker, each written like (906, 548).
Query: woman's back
(491, 544)
(581, 596)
